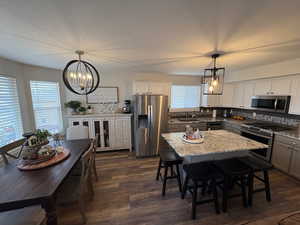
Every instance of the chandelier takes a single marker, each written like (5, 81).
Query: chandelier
(80, 76)
(213, 79)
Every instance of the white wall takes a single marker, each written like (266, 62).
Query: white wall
(285, 68)
(124, 80)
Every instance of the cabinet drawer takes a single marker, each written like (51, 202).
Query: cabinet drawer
(288, 141)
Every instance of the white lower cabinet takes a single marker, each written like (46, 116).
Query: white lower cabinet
(286, 155)
(295, 164)
(113, 132)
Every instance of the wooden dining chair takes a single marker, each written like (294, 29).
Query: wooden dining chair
(75, 188)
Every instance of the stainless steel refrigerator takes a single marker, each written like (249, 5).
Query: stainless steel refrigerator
(150, 120)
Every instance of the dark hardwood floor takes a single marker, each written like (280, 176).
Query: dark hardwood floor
(128, 194)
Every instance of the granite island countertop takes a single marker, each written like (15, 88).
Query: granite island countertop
(215, 141)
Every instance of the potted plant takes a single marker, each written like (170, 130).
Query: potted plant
(74, 105)
(89, 109)
(82, 110)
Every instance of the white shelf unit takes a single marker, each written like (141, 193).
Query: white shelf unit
(114, 129)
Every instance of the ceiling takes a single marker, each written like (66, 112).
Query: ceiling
(169, 36)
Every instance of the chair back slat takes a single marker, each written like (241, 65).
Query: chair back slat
(86, 160)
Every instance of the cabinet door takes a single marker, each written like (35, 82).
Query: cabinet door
(140, 87)
(281, 156)
(262, 87)
(295, 96)
(248, 93)
(227, 97)
(238, 98)
(162, 88)
(281, 86)
(295, 163)
(122, 133)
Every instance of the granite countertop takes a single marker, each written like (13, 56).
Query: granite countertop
(209, 119)
(198, 120)
(215, 141)
(294, 133)
(100, 115)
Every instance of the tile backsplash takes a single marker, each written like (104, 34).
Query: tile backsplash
(275, 118)
(288, 120)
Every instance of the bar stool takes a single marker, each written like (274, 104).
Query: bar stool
(201, 174)
(168, 159)
(234, 172)
(257, 165)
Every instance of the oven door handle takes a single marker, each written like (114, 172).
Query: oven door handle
(259, 135)
(275, 103)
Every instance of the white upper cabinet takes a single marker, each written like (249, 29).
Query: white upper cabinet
(210, 100)
(227, 97)
(238, 95)
(162, 88)
(248, 93)
(143, 87)
(140, 87)
(281, 86)
(295, 96)
(262, 87)
(275, 86)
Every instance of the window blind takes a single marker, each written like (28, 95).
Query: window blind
(11, 128)
(46, 105)
(185, 96)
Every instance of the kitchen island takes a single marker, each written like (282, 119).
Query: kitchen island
(218, 144)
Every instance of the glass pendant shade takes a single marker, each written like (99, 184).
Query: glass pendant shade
(213, 79)
(80, 76)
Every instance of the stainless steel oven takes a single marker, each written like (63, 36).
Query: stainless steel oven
(261, 136)
(273, 103)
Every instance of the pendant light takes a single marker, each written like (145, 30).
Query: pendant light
(213, 79)
(81, 77)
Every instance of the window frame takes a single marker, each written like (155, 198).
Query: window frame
(61, 128)
(187, 108)
(17, 92)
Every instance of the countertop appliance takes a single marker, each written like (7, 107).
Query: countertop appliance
(272, 103)
(150, 120)
(262, 132)
(127, 107)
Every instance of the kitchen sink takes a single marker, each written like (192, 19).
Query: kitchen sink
(188, 119)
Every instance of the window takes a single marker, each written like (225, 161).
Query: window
(11, 128)
(46, 105)
(185, 96)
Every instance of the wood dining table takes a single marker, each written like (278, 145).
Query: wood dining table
(19, 189)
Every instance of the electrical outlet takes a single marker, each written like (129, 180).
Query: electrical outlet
(254, 115)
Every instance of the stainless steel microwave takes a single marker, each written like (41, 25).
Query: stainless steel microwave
(272, 103)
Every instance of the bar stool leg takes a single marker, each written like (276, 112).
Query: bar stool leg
(215, 194)
(165, 180)
(250, 188)
(194, 201)
(267, 186)
(225, 193)
(158, 169)
(244, 195)
(186, 181)
(178, 178)
(243, 186)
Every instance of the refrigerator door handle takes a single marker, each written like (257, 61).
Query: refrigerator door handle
(149, 116)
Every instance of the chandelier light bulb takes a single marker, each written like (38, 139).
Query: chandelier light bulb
(211, 88)
(215, 83)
